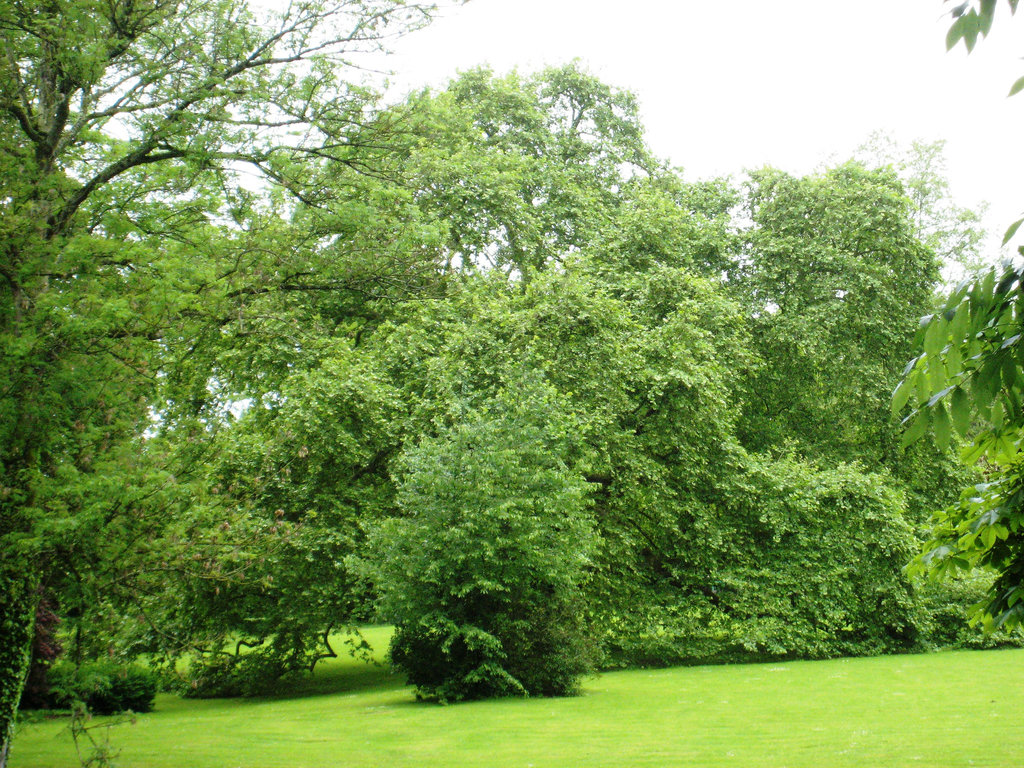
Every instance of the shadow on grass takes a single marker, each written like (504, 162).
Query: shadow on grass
(353, 675)
(346, 673)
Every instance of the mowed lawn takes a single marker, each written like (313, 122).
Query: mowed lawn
(946, 709)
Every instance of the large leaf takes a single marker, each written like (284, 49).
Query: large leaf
(918, 426)
(901, 395)
(988, 9)
(935, 335)
(941, 426)
(954, 362)
(958, 326)
(937, 397)
(960, 408)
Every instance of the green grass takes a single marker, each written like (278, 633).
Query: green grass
(949, 709)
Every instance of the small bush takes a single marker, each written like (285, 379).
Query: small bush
(255, 674)
(105, 687)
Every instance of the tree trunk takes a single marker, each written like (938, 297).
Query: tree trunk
(17, 618)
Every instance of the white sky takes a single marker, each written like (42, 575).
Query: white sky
(732, 84)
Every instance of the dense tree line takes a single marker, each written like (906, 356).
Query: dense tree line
(475, 363)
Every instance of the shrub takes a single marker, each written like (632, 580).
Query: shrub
(485, 576)
(105, 687)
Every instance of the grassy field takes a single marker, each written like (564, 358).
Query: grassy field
(942, 710)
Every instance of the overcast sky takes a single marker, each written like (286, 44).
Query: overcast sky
(736, 84)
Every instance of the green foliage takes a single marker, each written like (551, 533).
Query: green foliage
(971, 20)
(477, 352)
(796, 562)
(485, 574)
(946, 608)
(837, 279)
(145, 284)
(292, 483)
(524, 170)
(819, 562)
(970, 366)
(953, 232)
(267, 668)
(104, 687)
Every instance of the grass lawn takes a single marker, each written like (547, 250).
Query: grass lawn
(944, 710)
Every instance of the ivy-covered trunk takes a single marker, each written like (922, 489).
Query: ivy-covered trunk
(17, 619)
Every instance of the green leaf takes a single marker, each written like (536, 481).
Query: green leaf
(935, 335)
(958, 326)
(936, 374)
(1010, 372)
(988, 286)
(996, 418)
(954, 362)
(921, 386)
(901, 395)
(1006, 283)
(967, 27)
(910, 366)
(1016, 88)
(958, 293)
(988, 8)
(917, 428)
(939, 395)
(941, 426)
(1012, 229)
(960, 407)
(985, 383)
(971, 453)
(955, 33)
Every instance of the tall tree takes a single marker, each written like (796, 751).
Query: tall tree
(131, 234)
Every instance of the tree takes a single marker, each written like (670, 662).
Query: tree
(322, 384)
(305, 475)
(130, 237)
(484, 574)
